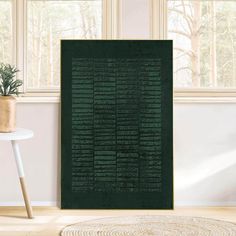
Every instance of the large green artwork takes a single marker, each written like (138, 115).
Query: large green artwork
(116, 112)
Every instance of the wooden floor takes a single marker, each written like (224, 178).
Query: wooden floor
(49, 221)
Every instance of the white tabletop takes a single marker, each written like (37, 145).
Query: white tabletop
(19, 134)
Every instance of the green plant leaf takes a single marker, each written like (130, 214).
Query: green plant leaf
(9, 85)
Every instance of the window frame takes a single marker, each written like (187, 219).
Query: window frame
(159, 23)
(110, 26)
(110, 30)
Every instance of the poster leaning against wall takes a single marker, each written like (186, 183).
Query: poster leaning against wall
(116, 111)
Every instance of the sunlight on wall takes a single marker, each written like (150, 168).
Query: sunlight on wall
(205, 169)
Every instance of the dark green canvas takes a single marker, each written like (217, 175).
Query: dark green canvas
(116, 114)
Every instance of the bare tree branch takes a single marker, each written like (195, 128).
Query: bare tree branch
(188, 18)
(180, 32)
(188, 52)
(181, 55)
(183, 13)
(226, 64)
(183, 68)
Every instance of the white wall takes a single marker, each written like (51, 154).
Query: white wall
(135, 20)
(205, 154)
(40, 157)
(204, 134)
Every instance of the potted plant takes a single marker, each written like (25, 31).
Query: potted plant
(9, 86)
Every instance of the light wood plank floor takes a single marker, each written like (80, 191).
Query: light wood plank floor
(49, 221)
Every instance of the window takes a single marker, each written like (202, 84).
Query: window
(204, 36)
(31, 31)
(48, 22)
(6, 32)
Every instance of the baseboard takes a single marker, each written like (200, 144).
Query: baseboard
(33, 203)
(177, 204)
(204, 204)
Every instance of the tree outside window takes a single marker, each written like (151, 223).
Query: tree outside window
(47, 23)
(6, 34)
(204, 35)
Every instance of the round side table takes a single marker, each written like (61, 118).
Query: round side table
(20, 134)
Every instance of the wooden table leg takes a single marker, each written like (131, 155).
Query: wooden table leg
(21, 174)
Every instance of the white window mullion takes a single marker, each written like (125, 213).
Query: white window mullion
(111, 19)
(158, 12)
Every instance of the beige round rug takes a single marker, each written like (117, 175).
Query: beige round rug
(152, 225)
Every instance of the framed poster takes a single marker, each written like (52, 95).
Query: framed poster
(117, 131)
